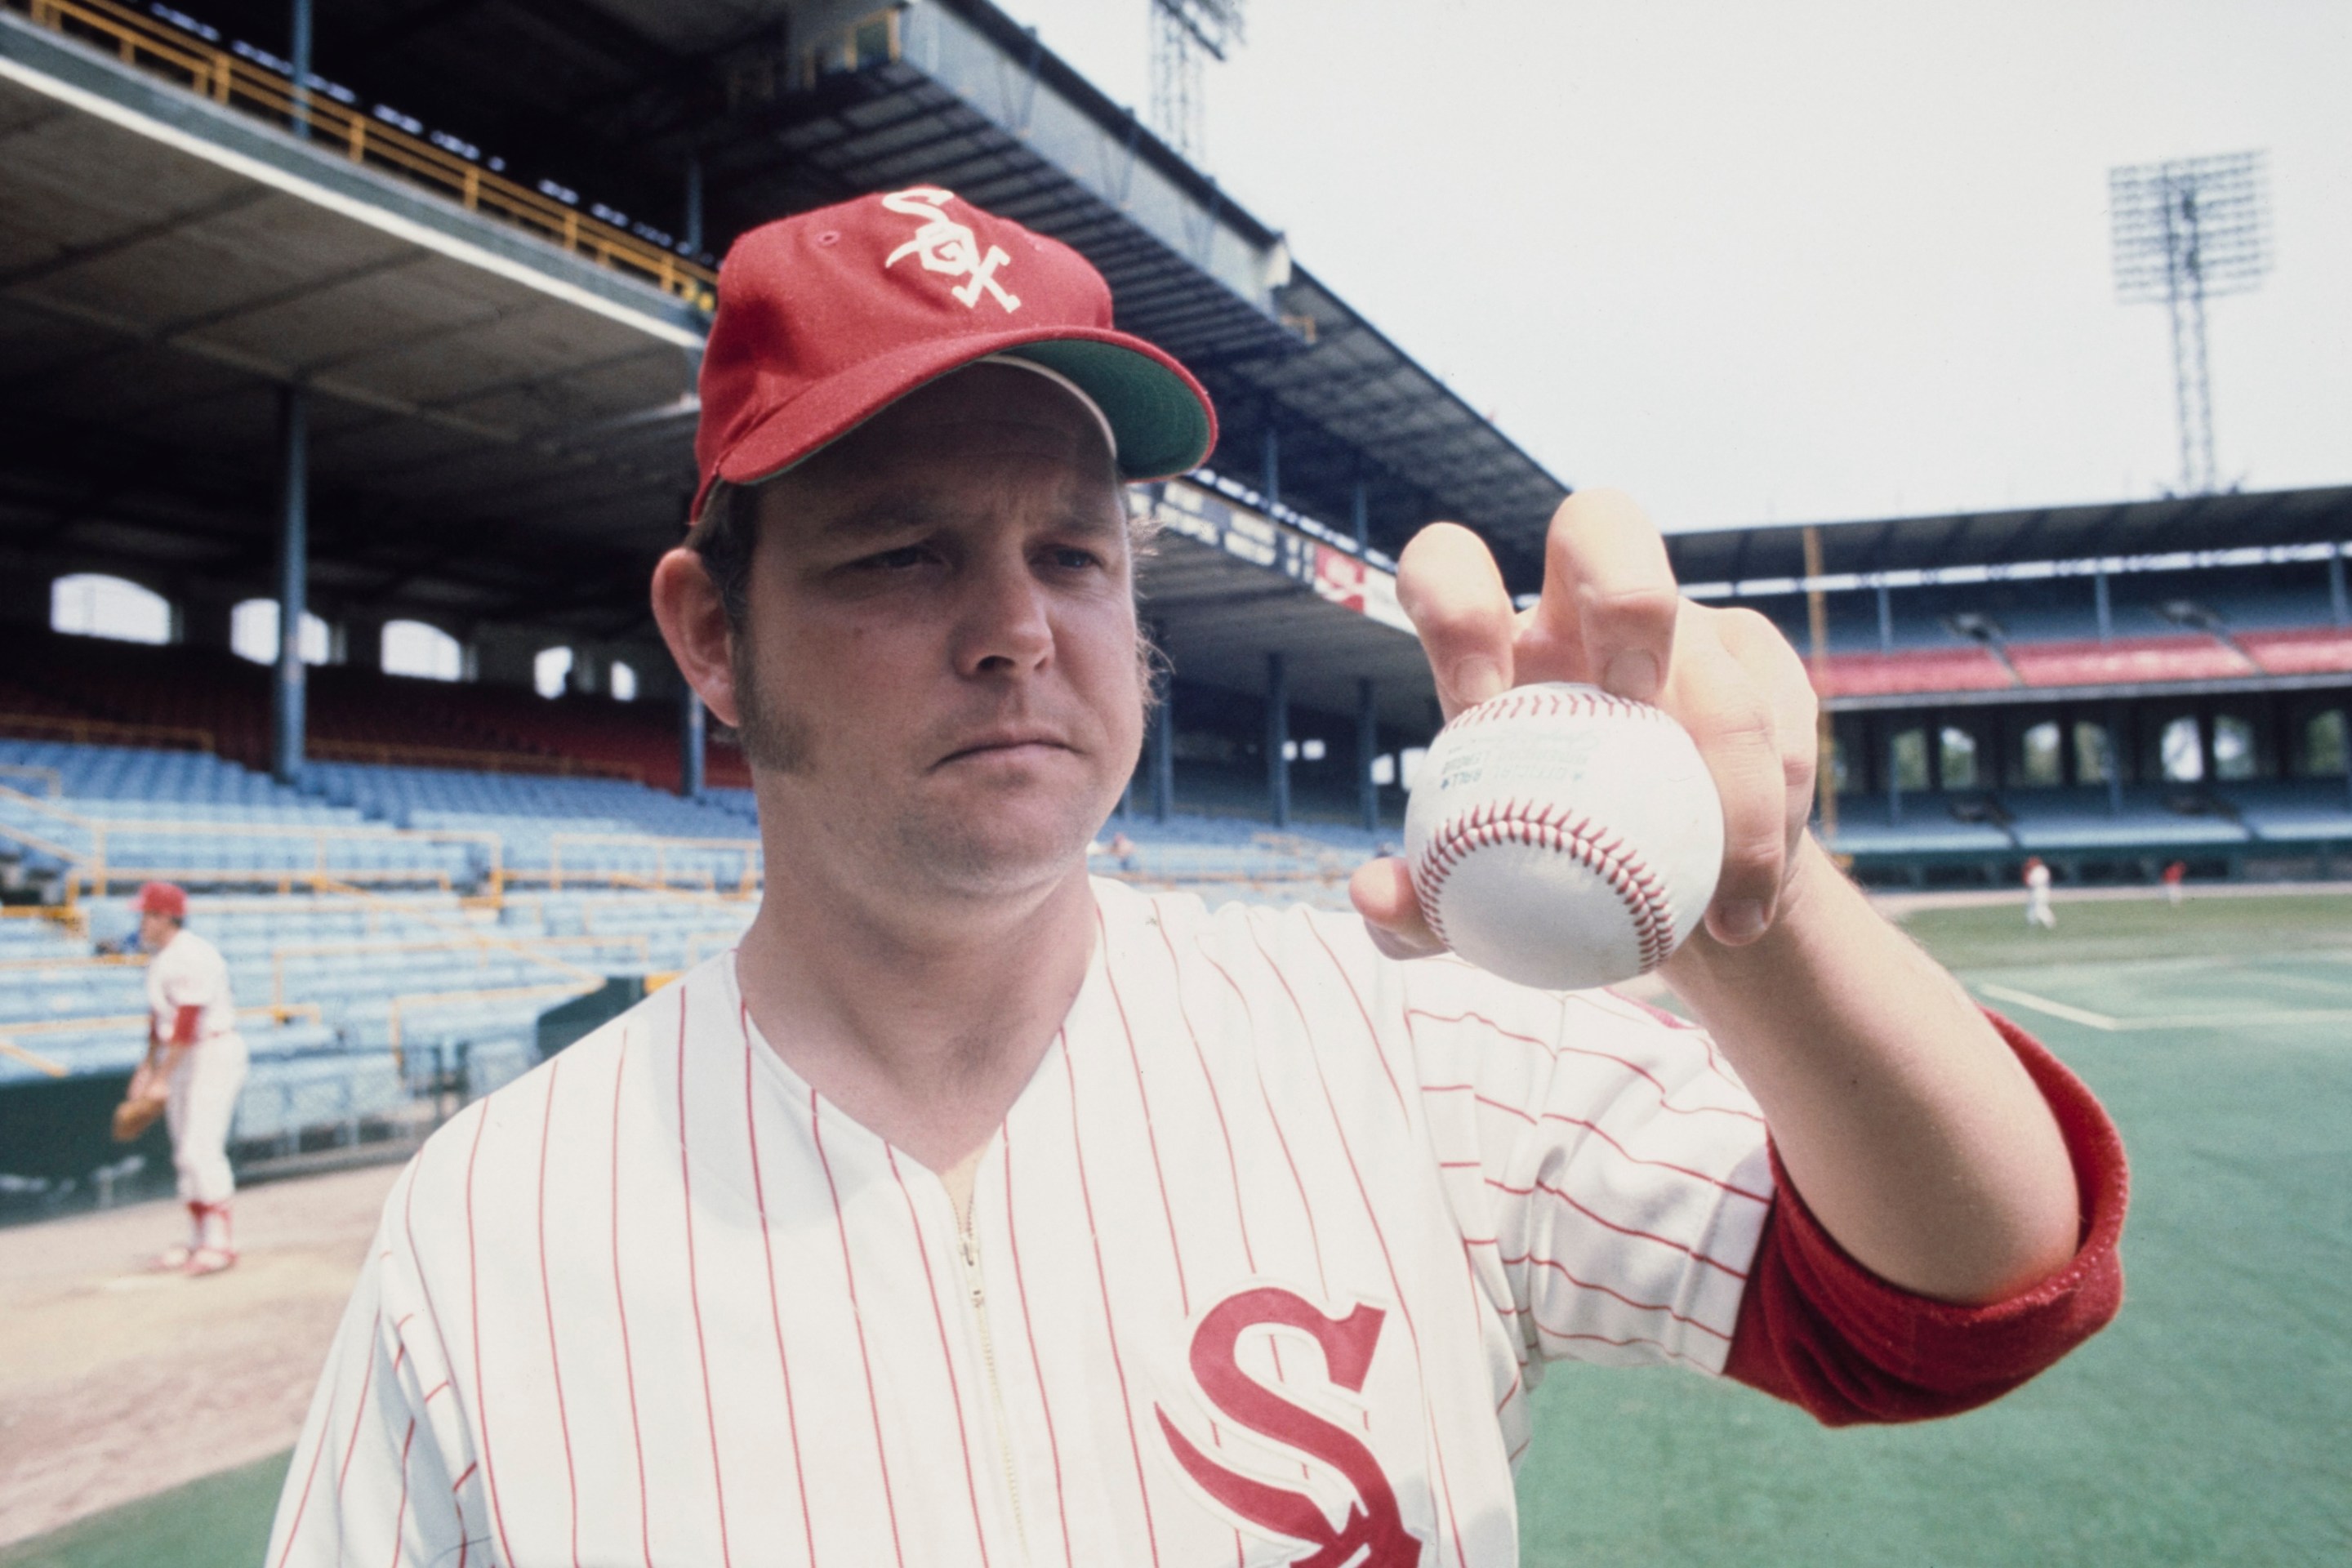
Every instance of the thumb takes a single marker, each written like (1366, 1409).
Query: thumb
(1384, 894)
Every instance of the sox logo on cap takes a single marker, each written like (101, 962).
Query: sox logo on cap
(949, 247)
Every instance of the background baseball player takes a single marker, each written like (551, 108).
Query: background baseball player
(2037, 912)
(975, 1212)
(195, 1050)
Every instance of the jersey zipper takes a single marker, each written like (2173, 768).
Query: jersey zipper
(968, 1247)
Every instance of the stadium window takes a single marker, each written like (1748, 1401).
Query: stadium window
(412, 647)
(91, 605)
(2324, 754)
(551, 671)
(1910, 758)
(1384, 769)
(2095, 755)
(253, 633)
(2235, 755)
(1958, 753)
(2183, 757)
(2042, 765)
(1409, 764)
(623, 686)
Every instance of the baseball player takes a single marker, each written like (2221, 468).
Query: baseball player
(2037, 912)
(974, 1211)
(194, 1048)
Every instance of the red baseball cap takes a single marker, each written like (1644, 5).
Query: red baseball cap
(161, 898)
(827, 318)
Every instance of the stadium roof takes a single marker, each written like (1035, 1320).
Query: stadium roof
(2188, 523)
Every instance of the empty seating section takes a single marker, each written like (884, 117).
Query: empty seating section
(1963, 669)
(2128, 660)
(2308, 650)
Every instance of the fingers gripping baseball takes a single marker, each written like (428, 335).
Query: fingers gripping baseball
(1449, 584)
(1728, 712)
(1609, 608)
(1767, 658)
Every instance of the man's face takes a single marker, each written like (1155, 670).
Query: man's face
(156, 931)
(938, 672)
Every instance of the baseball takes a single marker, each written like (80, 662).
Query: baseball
(1562, 837)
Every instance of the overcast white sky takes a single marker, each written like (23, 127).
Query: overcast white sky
(1799, 261)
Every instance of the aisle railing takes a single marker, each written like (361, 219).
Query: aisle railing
(233, 82)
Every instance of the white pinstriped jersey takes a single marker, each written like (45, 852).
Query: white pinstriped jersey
(1260, 1266)
(188, 972)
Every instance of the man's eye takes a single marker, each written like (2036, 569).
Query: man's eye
(897, 560)
(1070, 558)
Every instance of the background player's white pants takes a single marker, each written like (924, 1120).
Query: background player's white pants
(202, 1097)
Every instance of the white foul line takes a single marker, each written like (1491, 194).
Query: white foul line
(2101, 1021)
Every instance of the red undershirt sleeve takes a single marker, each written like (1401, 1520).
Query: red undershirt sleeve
(183, 1025)
(1819, 1330)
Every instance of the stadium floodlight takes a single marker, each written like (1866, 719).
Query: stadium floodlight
(2186, 231)
(1181, 32)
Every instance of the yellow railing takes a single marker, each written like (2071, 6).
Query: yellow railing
(396, 753)
(50, 776)
(478, 949)
(93, 869)
(106, 733)
(12, 1031)
(224, 78)
(754, 866)
(73, 917)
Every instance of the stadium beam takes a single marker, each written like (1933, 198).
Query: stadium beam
(690, 733)
(287, 693)
(1368, 746)
(1164, 752)
(297, 57)
(1277, 736)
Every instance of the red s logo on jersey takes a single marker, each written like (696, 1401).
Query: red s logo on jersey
(1373, 1534)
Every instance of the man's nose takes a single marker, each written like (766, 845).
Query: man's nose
(1003, 625)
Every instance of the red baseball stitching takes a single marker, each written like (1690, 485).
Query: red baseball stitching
(1554, 828)
(1531, 702)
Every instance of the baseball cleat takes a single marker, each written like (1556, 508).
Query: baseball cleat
(208, 1260)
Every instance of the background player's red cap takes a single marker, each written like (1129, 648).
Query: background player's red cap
(827, 318)
(165, 899)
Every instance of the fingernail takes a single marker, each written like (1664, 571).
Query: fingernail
(1632, 674)
(1739, 921)
(1476, 680)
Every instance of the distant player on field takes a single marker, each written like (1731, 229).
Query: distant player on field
(194, 1051)
(2175, 875)
(976, 1211)
(2037, 912)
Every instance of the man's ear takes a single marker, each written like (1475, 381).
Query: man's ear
(694, 624)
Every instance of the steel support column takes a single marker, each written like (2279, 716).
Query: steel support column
(691, 730)
(298, 54)
(1359, 512)
(1890, 734)
(1368, 746)
(287, 693)
(692, 238)
(2122, 753)
(1270, 465)
(1164, 753)
(2339, 607)
(1278, 737)
(2102, 603)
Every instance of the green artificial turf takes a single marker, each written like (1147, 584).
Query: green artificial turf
(220, 1522)
(2211, 1425)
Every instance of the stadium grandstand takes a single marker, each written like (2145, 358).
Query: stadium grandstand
(348, 383)
(348, 371)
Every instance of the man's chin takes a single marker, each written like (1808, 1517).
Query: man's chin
(983, 857)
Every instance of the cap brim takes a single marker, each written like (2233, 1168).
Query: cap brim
(1161, 418)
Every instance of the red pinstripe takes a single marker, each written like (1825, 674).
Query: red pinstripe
(1593, 1128)
(1363, 1011)
(947, 1357)
(857, 1319)
(469, 1470)
(621, 1306)
(1110, 1326)
(1606, 1223)
(547, 1302)
(1562, 1269)
(1557, 1049)
(1404, 1306)
(1143, 1096)
(399, 1514)
(424, 1288)
(1314, 1240)
(473, 1329)
(694, 1288)
(367, 1386)
(295, 1529)
(1626, 1343)
(775, 1307)
(1029, 1329)
(1507, 1392)
(437, 1389)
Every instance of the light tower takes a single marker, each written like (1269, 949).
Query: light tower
(1181, 32)
(2186, 231)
